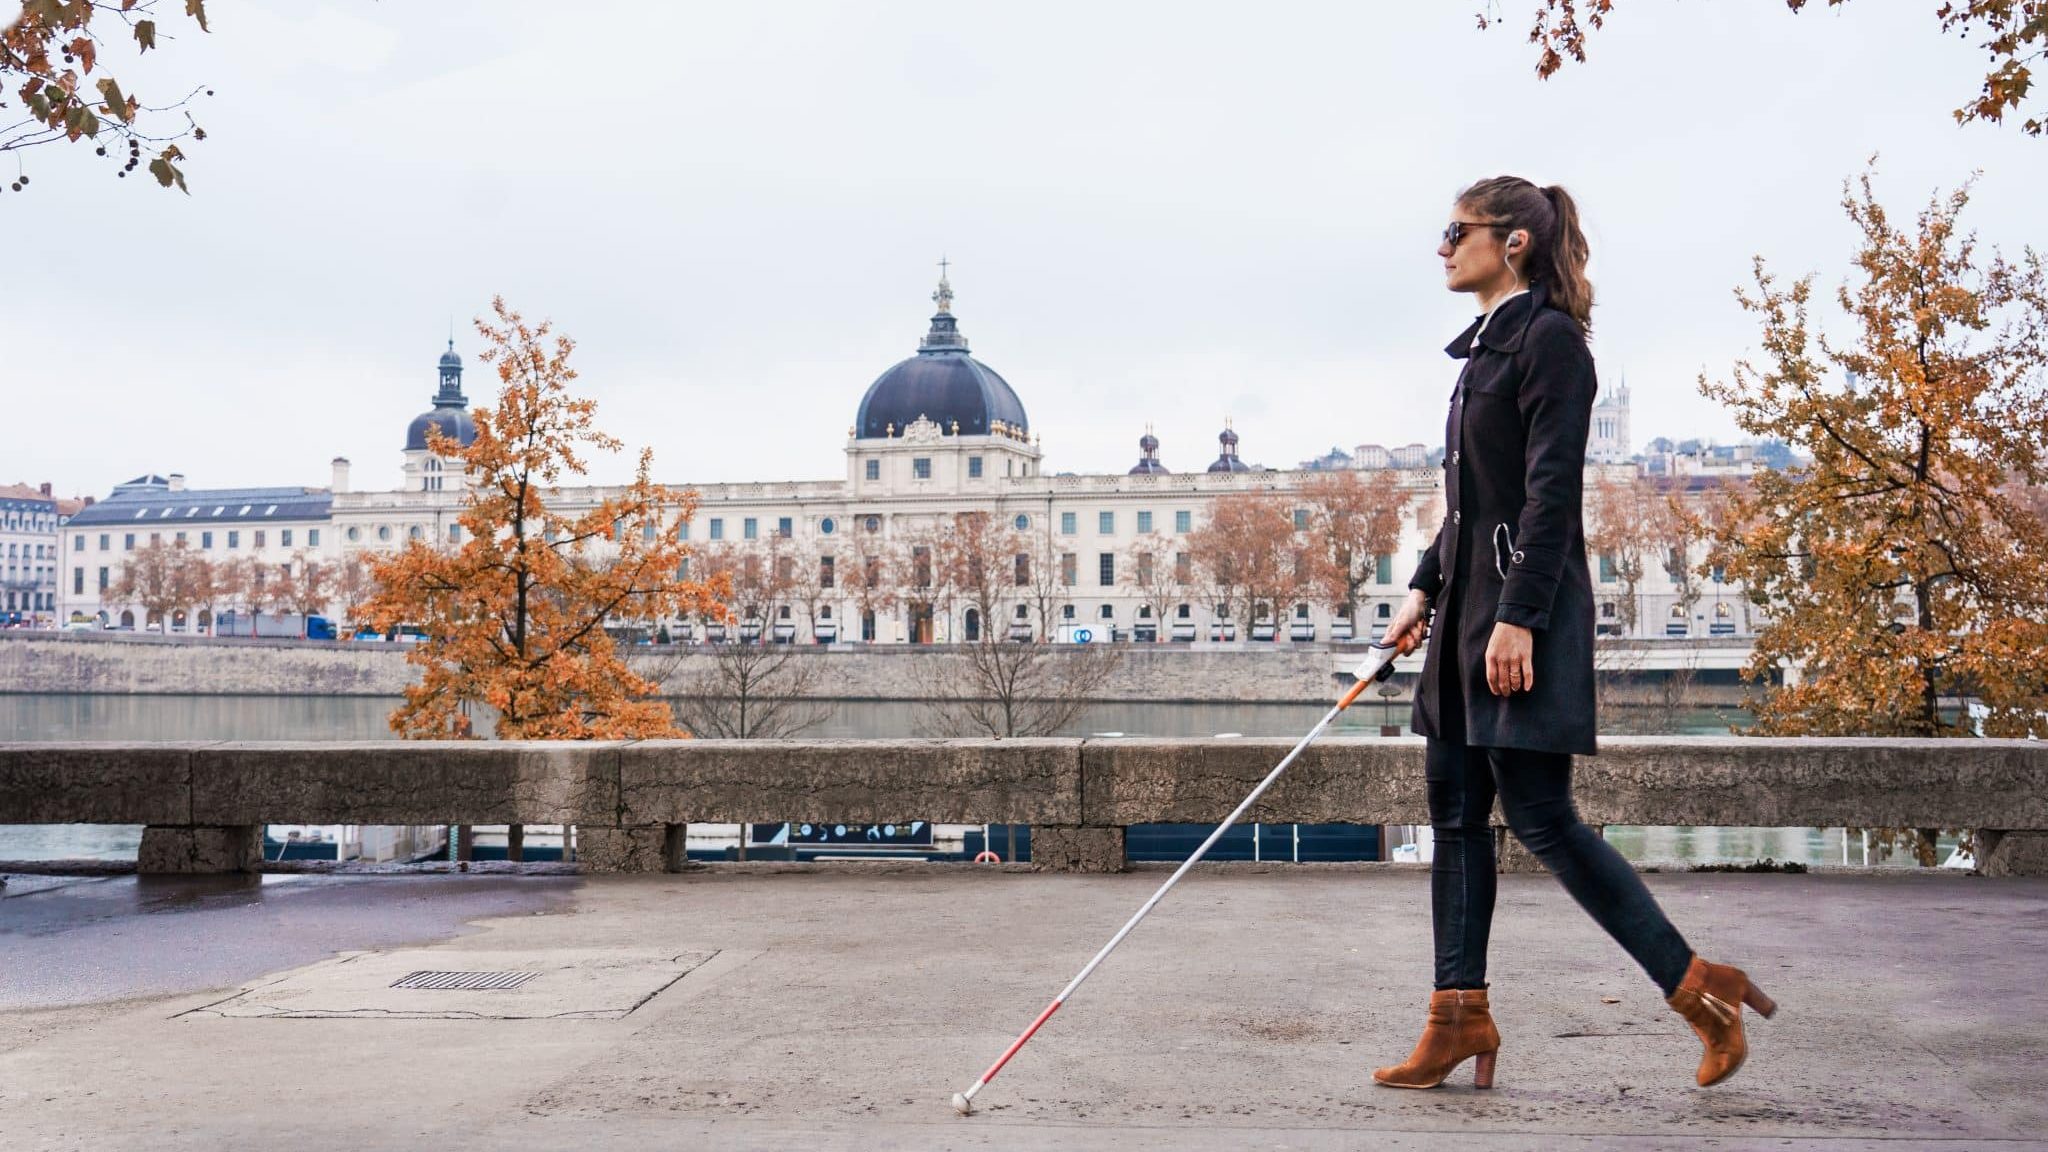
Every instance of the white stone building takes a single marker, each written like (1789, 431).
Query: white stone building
(30, 518)
(277, 526)
(934, 436)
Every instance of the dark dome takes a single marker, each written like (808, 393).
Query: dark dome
(1226, 457)
(1148, 457)
(449, 410)
(454, 423)
(943, 384)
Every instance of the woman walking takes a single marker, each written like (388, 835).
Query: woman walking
(1506, 698)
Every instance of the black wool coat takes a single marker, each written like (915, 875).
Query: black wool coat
(1512, 546)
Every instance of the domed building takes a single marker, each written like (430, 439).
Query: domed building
(424, 471)
(937, 438)
(1227, 459)
(1148, 457)
(940, 420)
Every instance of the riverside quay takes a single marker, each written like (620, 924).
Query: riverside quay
(213, 997)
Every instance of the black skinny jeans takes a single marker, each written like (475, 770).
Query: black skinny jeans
(1536, 795)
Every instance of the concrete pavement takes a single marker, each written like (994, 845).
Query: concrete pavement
(841, 1007)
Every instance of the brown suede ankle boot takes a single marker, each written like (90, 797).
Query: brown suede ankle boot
(1460, 1026)
(1711, 998)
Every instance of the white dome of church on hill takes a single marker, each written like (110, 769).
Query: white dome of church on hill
(934, 436)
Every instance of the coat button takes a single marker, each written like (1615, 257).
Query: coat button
(1456, 456)
(1457, 517)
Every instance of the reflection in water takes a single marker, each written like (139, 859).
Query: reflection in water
(79, 717)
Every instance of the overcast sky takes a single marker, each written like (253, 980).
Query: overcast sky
(1166, 213)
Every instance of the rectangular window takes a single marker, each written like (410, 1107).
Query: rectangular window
(974, 467)
(920, 467)
(785, 528)
(1383, 568)
(1606, 568)
(78, 544)
(103, 581)
(259, 538)
(683, 530)
(826, 575)
(1301, 519)
(717, 528)
(206, 539)
(156, 537)
(874, 469)
(103, 541)
(312, 537)
(178, 537)
(1105, 569)
(1105, 523)
(234, 539)
(1069, 570)
(1144, 569)
(1067, 524)
(455, 533)
(1144, 522)
(647, 532)
(284, 537)
(78, 581)
(128, 542)
(1022, 575)
(751, 528)
(1183, 569)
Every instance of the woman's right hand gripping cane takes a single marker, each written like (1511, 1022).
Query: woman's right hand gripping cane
(1410, 625)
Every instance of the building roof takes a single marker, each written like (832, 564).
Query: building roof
(943, 384)
(157, 504)
(450, 411)
(24, 492)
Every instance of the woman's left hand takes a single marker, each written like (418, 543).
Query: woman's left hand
(1510, 659)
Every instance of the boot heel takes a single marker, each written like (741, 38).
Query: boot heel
(1482, 1069)
(1761, 1004)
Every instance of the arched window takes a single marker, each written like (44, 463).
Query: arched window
(973, 625)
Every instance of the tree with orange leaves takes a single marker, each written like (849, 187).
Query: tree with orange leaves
(1354, 519)
(1246, 554)
(515, 618)
(2015, 37)
(1900, 572)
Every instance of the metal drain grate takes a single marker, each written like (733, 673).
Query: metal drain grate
(465, 981)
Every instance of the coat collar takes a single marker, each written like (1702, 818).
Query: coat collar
(1509, 324)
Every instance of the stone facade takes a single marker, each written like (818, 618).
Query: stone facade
(910, 464)
(30, 519)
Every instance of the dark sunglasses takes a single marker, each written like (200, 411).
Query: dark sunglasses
(1458, 228)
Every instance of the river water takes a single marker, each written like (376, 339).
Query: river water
(31, 717)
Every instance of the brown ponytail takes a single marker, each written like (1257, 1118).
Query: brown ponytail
(1557, 245)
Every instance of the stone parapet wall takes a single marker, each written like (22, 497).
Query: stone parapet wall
(202, 666)
(631, 800)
